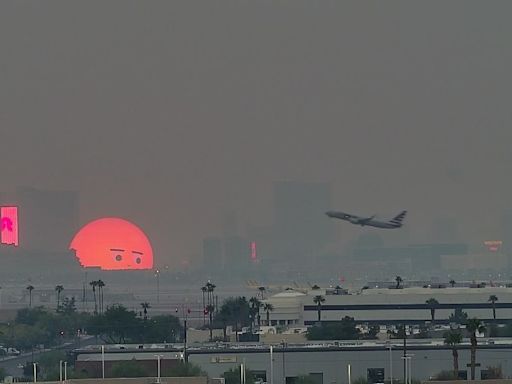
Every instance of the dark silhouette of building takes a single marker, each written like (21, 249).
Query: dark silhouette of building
(301, 228)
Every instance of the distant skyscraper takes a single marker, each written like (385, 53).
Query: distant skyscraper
(213, 254)
(444, 230)
(236, 253)
(48, 219)
(301, 228)
(506, 232)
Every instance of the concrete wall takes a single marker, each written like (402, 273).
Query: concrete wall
(137, 380)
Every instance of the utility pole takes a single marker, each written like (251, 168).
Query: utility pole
(405, 354)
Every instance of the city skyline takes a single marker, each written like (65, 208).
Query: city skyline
(173, 114)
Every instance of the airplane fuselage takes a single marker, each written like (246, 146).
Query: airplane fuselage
(367, 221)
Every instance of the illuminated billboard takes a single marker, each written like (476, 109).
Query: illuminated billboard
(112, 244)
(493, 245)
(9, 226)
(254, 253)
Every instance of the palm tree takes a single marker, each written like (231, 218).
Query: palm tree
(94, 284)
(30, 288)
(210, 308)
(315, 287)
(255, 310)
(203, 290)
(399, 281)
(452, 283)
(101, 284)
(473, 326)
(454, 338)
(210, 288)
(267, 307)
(318, 300)
(262, 292)
(493, 299)
(58, 289)
(145, 306)
(432, 304)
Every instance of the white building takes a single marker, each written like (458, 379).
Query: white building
(389, 306)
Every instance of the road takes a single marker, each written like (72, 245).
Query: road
(11, 363)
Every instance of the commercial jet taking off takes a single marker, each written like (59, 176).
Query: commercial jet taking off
(395, 222)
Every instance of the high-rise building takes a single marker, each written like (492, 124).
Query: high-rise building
(301, 228)
(506, 232)
(48, 219)
(236, 253)
(213, 254)
(444, 230)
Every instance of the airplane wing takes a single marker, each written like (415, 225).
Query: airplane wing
(366, 220)
(342, 215)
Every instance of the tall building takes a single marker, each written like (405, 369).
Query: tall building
(48, 219)
(301, 228)
(213, 254)
(236, 253)
(444, 230)
(506, 232)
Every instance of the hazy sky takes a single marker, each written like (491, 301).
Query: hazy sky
(171, 113)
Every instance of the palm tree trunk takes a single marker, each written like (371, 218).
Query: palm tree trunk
(473, 360)
(433, 314)
(268, 318)
(455, 363)
(494, 312)
(204, 315)
(210, 313)
(319, 314)
(95, 303)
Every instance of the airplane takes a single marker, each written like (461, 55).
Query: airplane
(395, 222)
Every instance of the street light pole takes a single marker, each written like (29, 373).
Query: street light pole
(407, 364)
(271, 364)
(409, 358)
(103, 361)
(390, 364)
(157, 275)
(35, 372)
(65, 371)
(60, 371)
(158, 367)
(349, 371)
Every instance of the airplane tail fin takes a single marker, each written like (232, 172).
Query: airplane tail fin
(397, 220)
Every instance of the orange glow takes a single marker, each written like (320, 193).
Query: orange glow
(112, 243)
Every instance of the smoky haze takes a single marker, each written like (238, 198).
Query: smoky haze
(181, 115)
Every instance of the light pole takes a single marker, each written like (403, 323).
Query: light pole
(390, 364)
(407, 363)
(284, 363)
(158, 367)
(157, 275)
(271, 364)
(349, 372)
(409, 358)
(102, 361)
(60, 371)
(65, 371)
(35, 372)
(242, 373)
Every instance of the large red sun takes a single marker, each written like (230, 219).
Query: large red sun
(112, 243)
